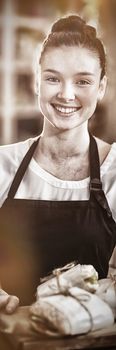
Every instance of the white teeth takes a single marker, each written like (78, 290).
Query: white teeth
(66, 110)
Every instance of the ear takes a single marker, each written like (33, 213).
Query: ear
(102, 88)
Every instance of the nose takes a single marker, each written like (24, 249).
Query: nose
(67, 92)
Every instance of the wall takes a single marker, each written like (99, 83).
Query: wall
(23, 25)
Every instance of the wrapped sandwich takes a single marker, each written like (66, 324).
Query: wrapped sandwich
(71, 275)
(67, 303)
(74, 312)
(107, 291)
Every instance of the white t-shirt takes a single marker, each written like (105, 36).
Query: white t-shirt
(39, 184)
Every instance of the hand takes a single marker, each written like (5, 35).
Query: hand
(18, 323)
(8, 302)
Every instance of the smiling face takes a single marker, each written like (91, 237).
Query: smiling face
(70, 86)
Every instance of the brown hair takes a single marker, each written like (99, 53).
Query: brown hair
(73, 30)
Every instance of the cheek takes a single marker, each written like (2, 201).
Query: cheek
(44, 99)
(90, 96)
(45, 93)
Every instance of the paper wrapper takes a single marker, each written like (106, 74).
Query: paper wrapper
(75, 312)
(107, 292)
(82, 276)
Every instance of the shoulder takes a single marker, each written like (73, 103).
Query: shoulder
(107, 156)
(104, 149)
(14, 152)
(108, 172)
(10, 158)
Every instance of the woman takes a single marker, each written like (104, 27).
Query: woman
(58, 190)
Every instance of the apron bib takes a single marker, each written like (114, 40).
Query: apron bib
(37, 236)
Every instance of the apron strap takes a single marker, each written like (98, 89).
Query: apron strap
(95, 180)
(21, 170)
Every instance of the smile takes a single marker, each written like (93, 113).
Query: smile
(66, 110)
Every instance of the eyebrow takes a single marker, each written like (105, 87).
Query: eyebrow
(79, 73)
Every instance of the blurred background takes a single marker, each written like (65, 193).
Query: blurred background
(23, 25)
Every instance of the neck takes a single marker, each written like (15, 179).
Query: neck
(62, 145)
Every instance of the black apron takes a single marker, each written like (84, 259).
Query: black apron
(37, 236)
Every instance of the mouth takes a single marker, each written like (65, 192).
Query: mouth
(65, 110)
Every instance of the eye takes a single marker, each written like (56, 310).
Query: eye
(82, 82)
(52, 79)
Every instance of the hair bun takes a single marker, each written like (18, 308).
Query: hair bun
(68, 24)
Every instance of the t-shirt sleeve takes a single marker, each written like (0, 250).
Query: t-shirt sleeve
(109, 180)
(10, 159)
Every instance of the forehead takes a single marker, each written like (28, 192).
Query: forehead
(70, 59)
